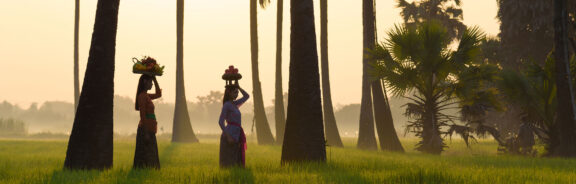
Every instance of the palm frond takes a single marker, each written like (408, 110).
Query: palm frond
(469, 46)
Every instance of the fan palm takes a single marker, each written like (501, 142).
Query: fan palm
(419, 61)
(534, 90)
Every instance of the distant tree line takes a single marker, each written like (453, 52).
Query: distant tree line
(55, 116)
(12, 127)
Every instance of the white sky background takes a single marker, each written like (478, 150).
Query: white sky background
(36, 44)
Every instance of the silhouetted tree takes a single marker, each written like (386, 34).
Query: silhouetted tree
(383, 117)
(76, 30)
(526, 30)
(533, 91)
(279, 116)
(304, 137)
(447, 12)
(417, 60)
(181, 129)
(331, 129)
(366, 135)
(263, 132)
(382, 114)
(90, 144)
(564, 135)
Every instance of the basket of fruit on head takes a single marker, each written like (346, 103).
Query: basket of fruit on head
(147, 65)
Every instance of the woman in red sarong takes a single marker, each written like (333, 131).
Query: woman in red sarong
(146, 154)
(233, 139)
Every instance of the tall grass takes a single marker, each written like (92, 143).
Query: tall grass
(26, 161)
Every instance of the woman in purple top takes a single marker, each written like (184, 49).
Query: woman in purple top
(233, 139)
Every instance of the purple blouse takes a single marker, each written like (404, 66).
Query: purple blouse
(231, 113)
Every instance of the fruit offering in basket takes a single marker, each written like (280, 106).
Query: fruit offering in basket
(230, 75)
(147, 65)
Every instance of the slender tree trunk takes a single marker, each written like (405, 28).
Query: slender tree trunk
(432, 142)
(280, 116)
(382, 114)
(331, 129)
(181, 128)
(366, 135)
(76, 40)
(90, 144)
(304, 138)
(384, 123)
(263, 132)
(563, 135)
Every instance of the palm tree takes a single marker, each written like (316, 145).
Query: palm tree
(279, 116)
(332, 135)
(534, 91)
(263, 132)
(76, 76)
(304, 137)
(366, 136)
(417, 60)
(384, 123)
(382, 114)
(562, 144)
(181, 129)
(90, 144)
(447, 12)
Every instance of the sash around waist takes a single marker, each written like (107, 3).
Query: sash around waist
(151, 116)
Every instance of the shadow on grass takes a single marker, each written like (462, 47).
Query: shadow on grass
(425, 176)
(239, 175)
(329, 172)
(74, 176)
(141, 175)
(167, 153)
(136, 176)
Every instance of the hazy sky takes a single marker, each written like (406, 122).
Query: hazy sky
(36, 44)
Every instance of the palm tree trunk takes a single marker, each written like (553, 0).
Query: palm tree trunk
(563, 135)
(181, 128)
(263, 132)
(304, 137)
(331, 129)
(280, 116)
(432, 142)
(382, 113)
(90, 144)
(76, 40)
(384, 123)
(366, 136)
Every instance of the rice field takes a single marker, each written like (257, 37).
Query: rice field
(41, 161)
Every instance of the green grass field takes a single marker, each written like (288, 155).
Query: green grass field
(36, 161)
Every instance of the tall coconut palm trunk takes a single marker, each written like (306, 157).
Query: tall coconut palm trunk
(90, 144)
(181, 128)
(280, 116)
(332, 135)
(366, 136)
(384, 123)
(76, 40)
(563, 132)
(382, 113)
(263, 133)
(304, 138)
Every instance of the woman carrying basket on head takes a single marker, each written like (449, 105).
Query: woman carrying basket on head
(146, 154)
(233, 139)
